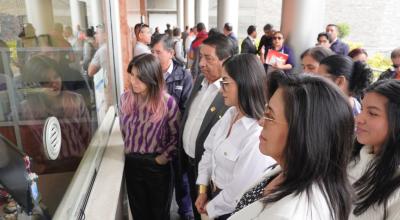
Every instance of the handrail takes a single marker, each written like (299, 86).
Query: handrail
(75, 198)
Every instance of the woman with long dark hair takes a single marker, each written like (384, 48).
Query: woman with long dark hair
(374, 170)
(351, 77)
(308, 129)
(231, 161)
(149, 119)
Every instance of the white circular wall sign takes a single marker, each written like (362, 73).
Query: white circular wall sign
(52, 138)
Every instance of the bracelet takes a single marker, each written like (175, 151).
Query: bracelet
(202, 189)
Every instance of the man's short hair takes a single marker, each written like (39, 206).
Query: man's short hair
(251, 29)
(223, 46)
(228, 27)
(176, 32)
(200, 26)
(167, 41)
(395, 53)
(268, 27)
(333, 25)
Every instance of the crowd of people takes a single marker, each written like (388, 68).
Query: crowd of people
(241, 135)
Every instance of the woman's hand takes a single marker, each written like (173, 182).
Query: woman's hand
(201, 203)
(161, 159)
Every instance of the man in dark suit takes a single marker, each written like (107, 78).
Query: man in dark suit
(337, 46)
(204, 107)
(249, 43)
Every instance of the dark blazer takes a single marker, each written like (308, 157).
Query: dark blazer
(179, 85)
(248, 46)
(215, 111)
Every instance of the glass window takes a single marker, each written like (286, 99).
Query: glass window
(54, 61)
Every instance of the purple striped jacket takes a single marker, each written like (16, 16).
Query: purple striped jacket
(141, 135)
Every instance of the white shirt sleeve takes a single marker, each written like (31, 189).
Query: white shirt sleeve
(205, 164)
(248, 168)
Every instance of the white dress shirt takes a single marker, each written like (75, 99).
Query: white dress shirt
(356, 170)
(197, 112)
(233, 163)
(140, 48)
(290, 207)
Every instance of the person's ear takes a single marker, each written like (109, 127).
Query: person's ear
(340, 81)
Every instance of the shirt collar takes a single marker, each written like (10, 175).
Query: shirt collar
(245, 121)
(169, 70)
(215, 84)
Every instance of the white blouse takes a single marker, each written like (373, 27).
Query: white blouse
(233, 163)
(291, 207)
(355, 170)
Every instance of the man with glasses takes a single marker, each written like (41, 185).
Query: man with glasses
(204, 107)
(143, 37)
(394, 71)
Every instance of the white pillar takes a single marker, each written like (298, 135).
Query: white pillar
(201, 14)
(40, 15)
(300, 25)
(228, 11)
(78, 14)
(96, 12)
(189, 13)
(179, 14)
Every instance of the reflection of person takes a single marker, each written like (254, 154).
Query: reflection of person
(27, 44)
(374, 169)
(149, 121)
(351, 77)
(308, 129)
(231, 160)
(49, 99)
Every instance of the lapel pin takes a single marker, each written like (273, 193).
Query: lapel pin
(212, 109)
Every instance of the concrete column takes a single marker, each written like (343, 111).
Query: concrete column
(299, 25)
(201, 11)
(96, 12)
(40, 15)
(228, 11)
(179, 14)
(189, 13)
(78, 14)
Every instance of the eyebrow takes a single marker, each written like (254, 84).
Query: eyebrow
(374, 108)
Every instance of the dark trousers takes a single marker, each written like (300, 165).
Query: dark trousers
(182, 192)
(149, 187)
(192, 176)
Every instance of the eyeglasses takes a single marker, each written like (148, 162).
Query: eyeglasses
(223, 85)
(267, 118)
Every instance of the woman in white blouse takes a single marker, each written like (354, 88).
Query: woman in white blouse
(374, 170)
(232, 160)
(308, 129)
